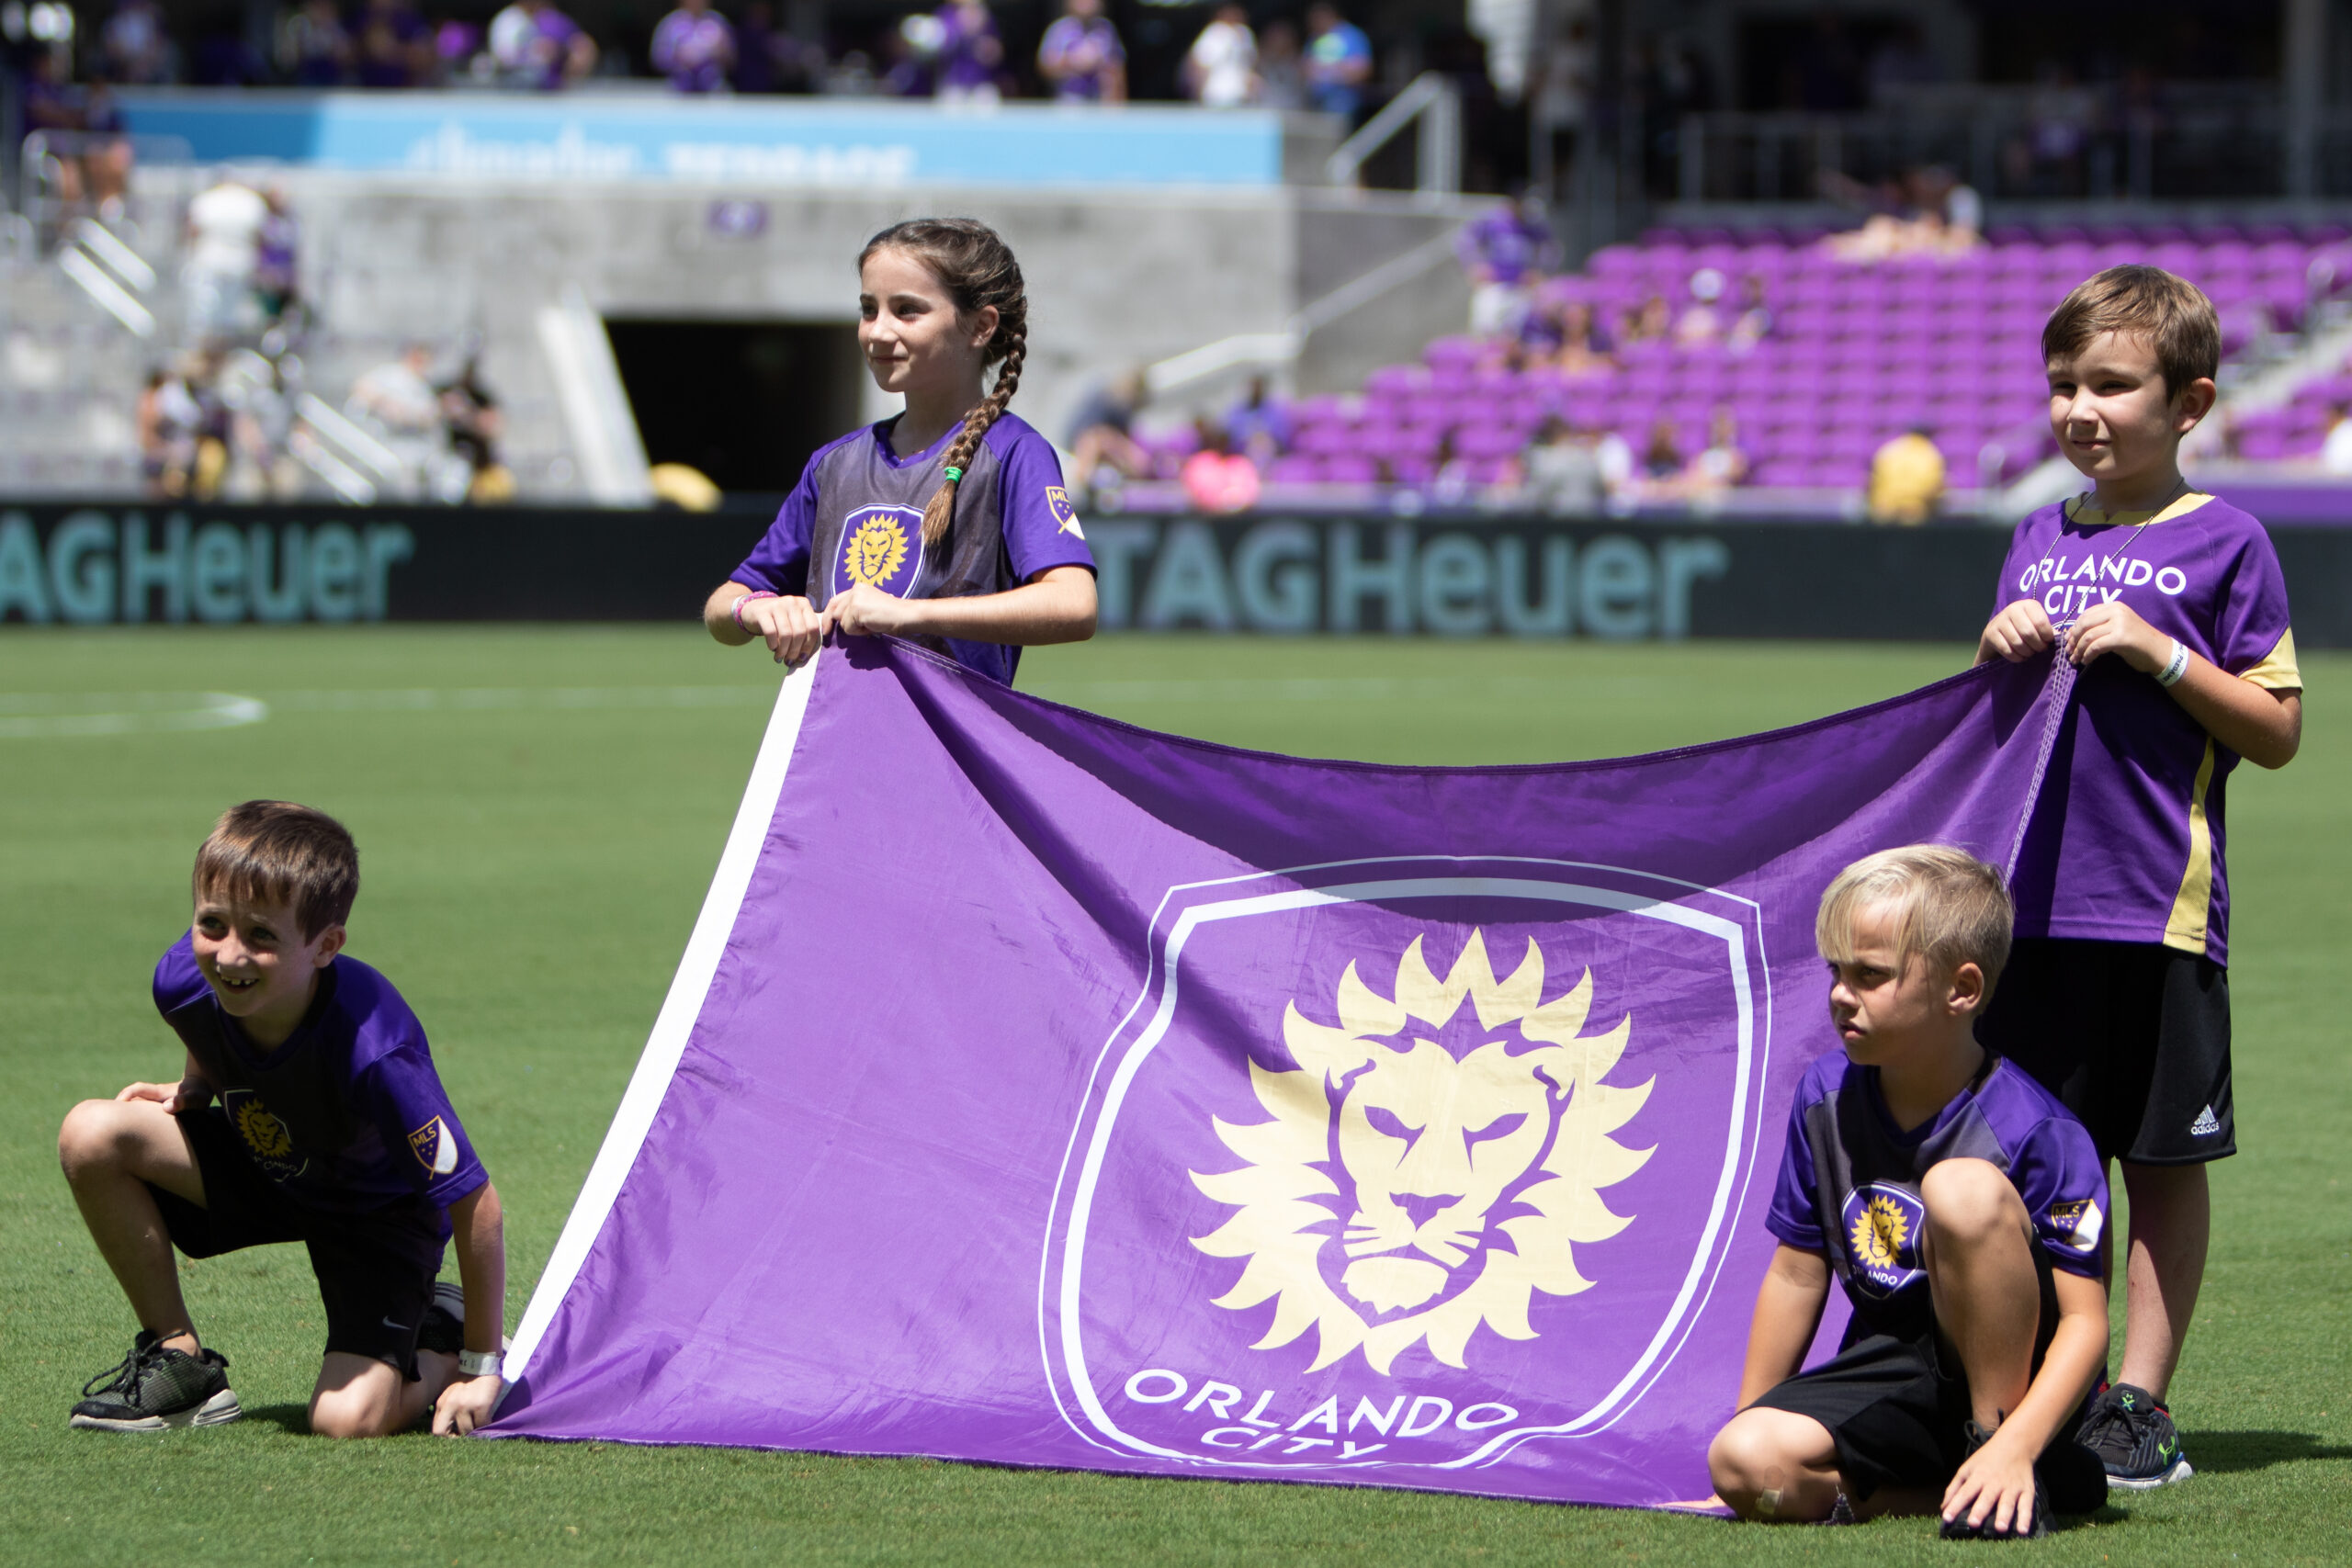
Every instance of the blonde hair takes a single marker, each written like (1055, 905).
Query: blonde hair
(1950, 908)
(2171, 313)
(976, 267)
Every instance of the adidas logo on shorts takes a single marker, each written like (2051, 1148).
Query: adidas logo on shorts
(2206, 1125)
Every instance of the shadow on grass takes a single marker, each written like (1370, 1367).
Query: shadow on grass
(2225, 1453)
(294, 1420)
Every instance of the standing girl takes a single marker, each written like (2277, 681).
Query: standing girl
(946, 524)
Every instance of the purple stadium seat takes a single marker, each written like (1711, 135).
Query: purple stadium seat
(1350, 469)
(1452, 352)
(1295, 468)
(1395, 380)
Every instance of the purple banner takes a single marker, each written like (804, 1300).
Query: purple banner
(1041, 1090)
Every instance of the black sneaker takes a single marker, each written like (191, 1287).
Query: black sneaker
(1959, 1528)
(444, 1329)
(2134, 1438)
(155, 1389)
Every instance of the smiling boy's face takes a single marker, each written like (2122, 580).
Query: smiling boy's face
(2113, 416)
(260, 966)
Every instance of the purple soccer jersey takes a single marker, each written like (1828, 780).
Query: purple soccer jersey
(2128, 845)
(856, 516)
(348, 1114)
(1850, 1180)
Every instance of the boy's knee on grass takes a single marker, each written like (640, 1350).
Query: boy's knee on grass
(1760, 1452)
(362, 1401)
(102, 1134)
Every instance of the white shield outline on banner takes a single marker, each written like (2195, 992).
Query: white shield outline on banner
(1734, 919)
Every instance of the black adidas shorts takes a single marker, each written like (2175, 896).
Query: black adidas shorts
(1897, 1408)
(2132, 1036)
(375, 1270)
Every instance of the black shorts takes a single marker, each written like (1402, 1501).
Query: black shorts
(1897, 1407)
(2133, 1037)
(375, 1270)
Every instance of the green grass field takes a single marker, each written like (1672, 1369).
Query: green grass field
(539, 810)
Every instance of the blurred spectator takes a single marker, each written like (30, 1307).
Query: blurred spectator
(970, 53)
(1081, 57)
(2063, 114)
(1700, 323)
(1906, 478)
(1652, 322)
(1259, 425)
(769, 59)
(1503, 250)
(224, 230)
(313, 49)
(1281, 68)
(1216, 479)
(914, 57)
(2335, 451)
(1754, 322)
(1560, 471)
(1339, 61)
(395, 47)
(694, 47)
(1582, 349)
(1221, 68)
(398, 400)
(1722, 464)
(472, 423)
(276, 257)
(136, 47)
(169, 422)
(1102, 437)
(89, 155)
(535, 45)
(257, 401)
(1561, 94)
(1661, 464)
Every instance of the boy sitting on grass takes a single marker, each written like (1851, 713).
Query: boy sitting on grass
(1958, 1204)
(2172, 605)
(333, 1130)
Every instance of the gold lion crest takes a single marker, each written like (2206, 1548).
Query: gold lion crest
(876, 551)
(1420, 1147)
(1881, 1230)
(263, 1133)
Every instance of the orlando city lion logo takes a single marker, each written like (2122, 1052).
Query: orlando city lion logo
(876, 551)
(1455, 1161)
(1883, 1235)
(263, 1132)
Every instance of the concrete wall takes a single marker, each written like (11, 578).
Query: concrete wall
(1115, 278)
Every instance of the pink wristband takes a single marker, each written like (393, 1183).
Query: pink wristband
(735, 614)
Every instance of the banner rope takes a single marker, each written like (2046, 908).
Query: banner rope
(2059, 694)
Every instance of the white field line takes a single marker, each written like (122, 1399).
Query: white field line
(28, 715)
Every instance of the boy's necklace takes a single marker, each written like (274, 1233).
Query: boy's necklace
(2132, 531)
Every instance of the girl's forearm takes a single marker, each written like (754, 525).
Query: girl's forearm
(1059, 606)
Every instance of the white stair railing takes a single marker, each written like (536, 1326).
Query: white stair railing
(1435, 103)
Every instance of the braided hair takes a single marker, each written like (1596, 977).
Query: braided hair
(976, 268)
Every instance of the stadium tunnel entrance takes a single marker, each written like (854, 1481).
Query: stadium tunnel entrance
(745, 401)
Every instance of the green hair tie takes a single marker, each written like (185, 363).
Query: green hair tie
(954, 476)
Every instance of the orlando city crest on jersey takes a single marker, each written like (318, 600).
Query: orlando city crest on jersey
(881, 547)
(265, 1135)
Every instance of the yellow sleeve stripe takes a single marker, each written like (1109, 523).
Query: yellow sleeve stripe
(2194, 902)
(2278, 670)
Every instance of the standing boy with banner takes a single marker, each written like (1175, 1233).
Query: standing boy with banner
(2118, 998)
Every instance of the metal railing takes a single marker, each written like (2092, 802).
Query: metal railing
(2018, 145)
(1433, 104)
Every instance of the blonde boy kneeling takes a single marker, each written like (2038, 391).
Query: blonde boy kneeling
(1960, 1205)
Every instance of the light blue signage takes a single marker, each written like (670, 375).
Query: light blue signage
(740, 141)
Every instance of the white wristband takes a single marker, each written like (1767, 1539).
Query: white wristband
(480, 1363)
(2176, 667)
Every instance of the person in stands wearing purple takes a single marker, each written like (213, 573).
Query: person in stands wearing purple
(946, 524)
(2171, 605)
(331, 1130)
(694, 47)
(1961, 1207)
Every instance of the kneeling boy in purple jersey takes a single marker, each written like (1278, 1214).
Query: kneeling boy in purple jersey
(2172, 605)
(1960, 1205)
(331, 1130)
